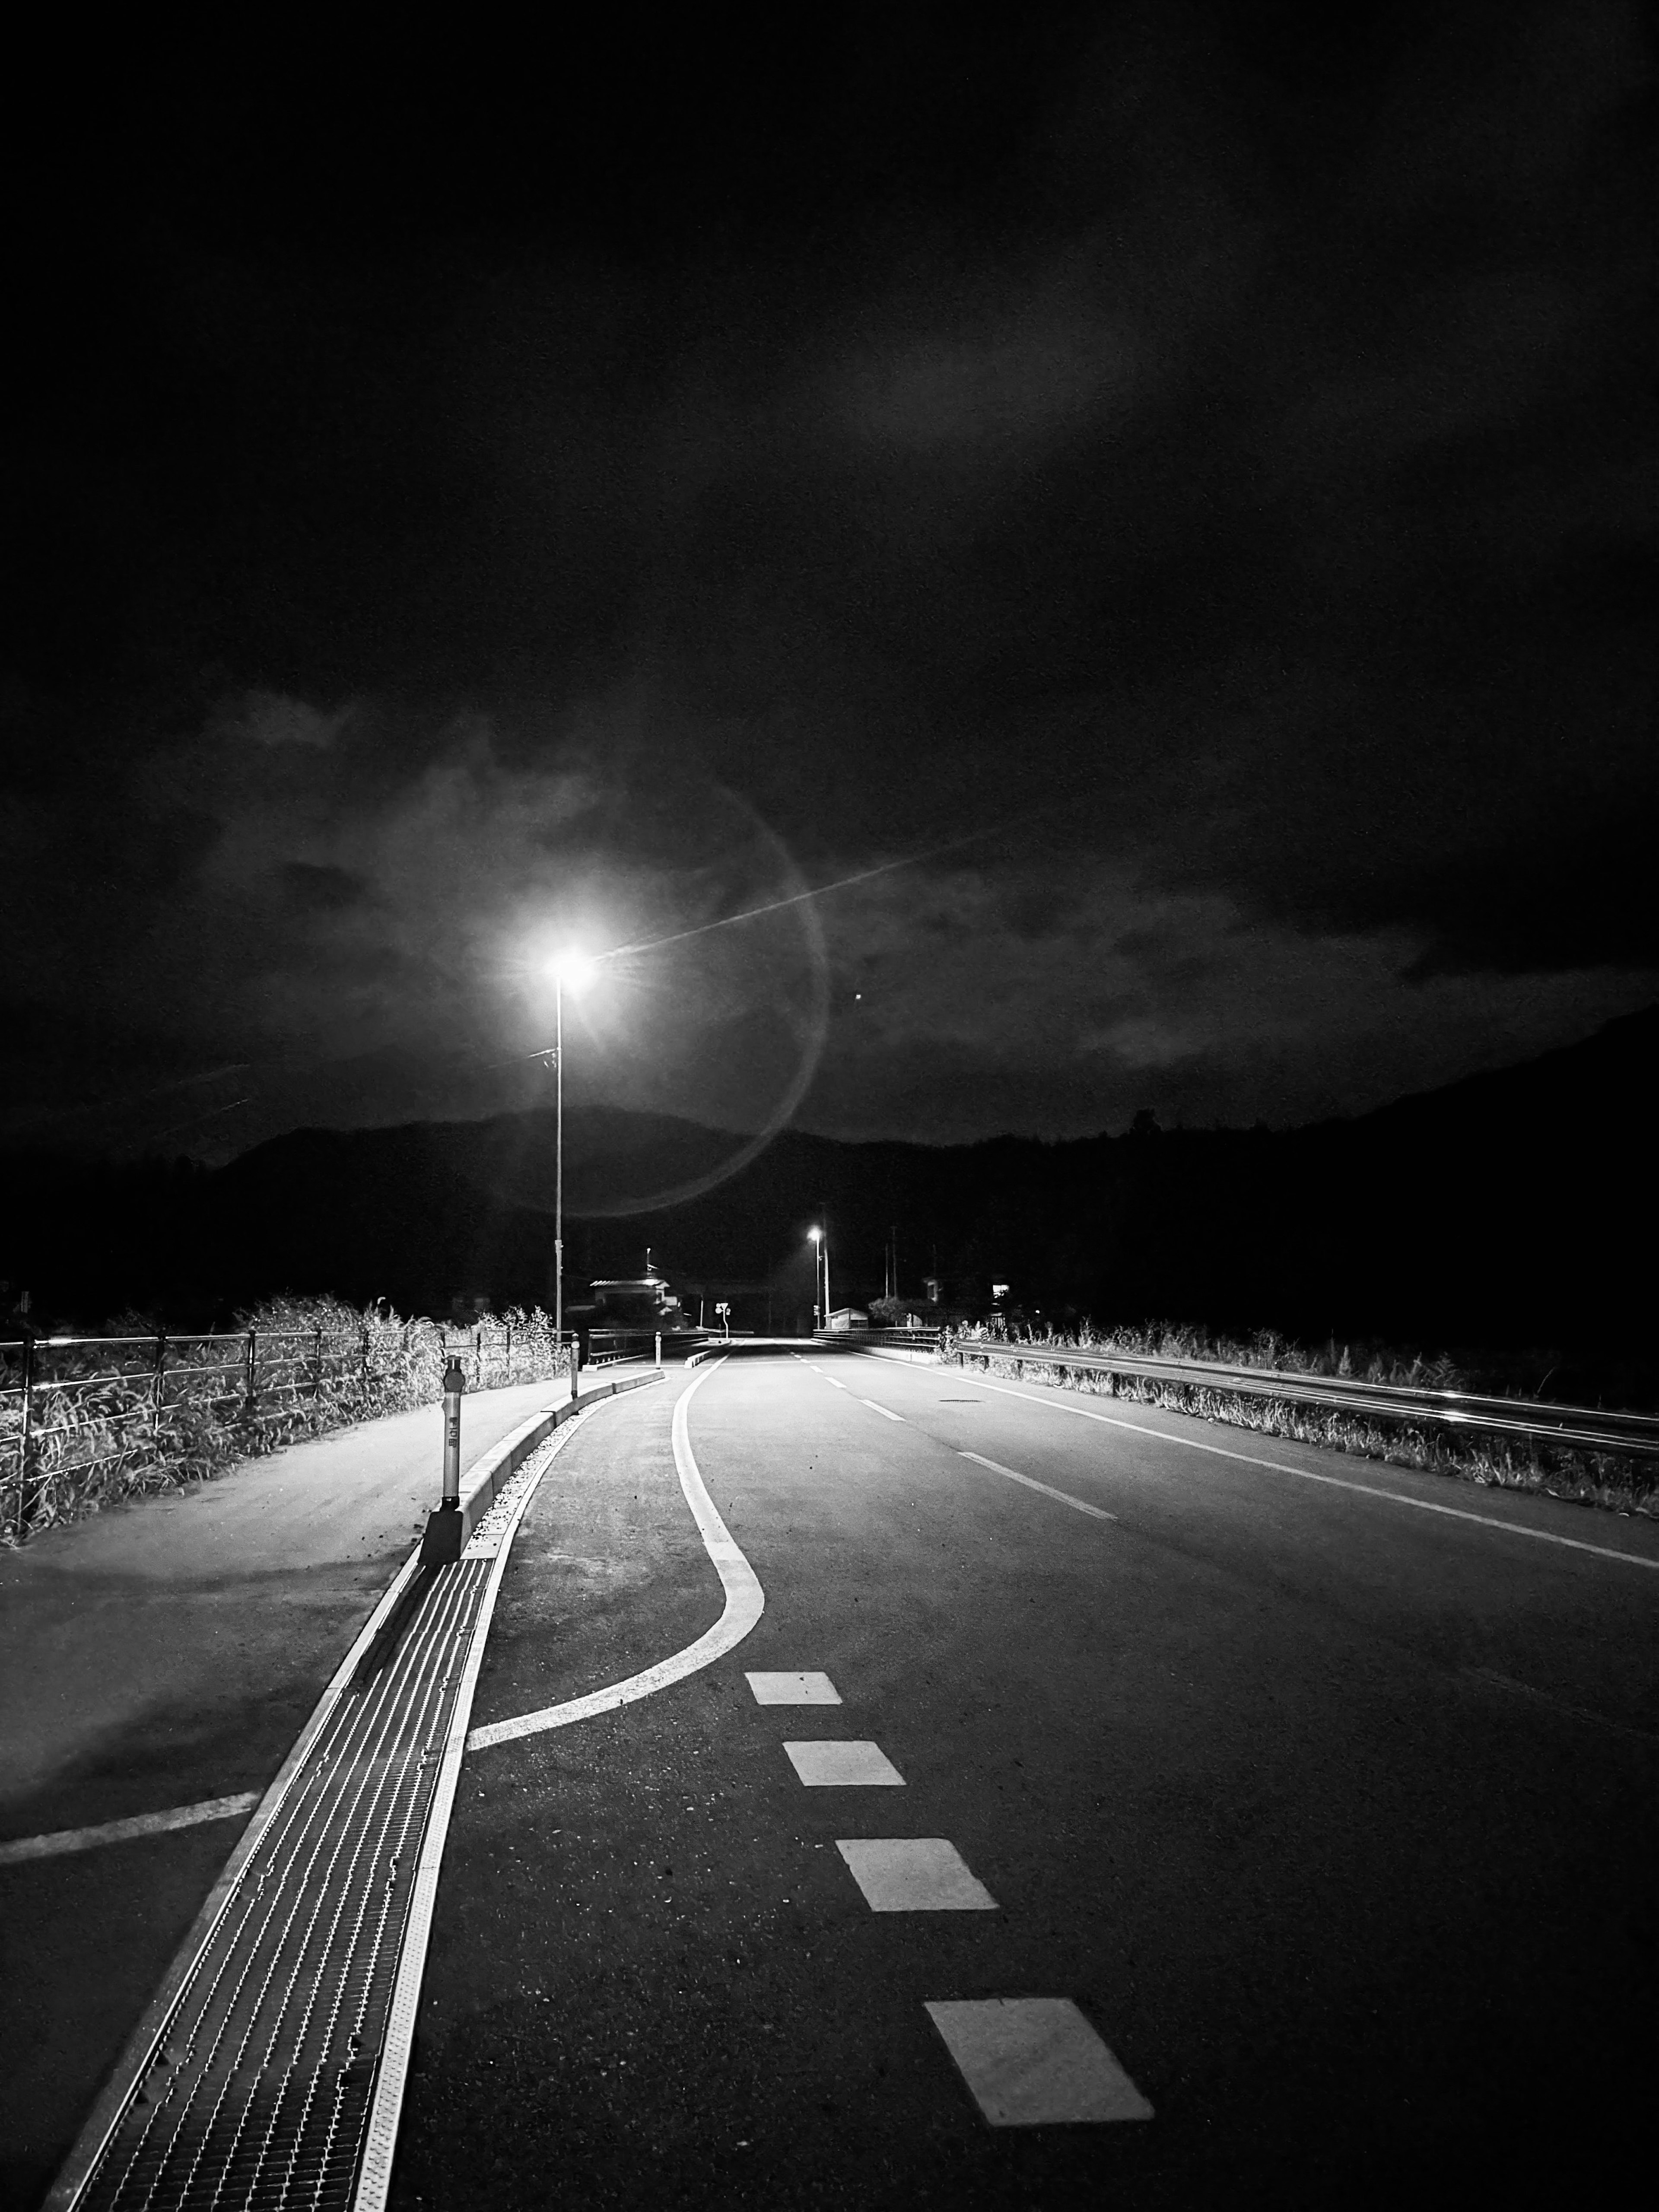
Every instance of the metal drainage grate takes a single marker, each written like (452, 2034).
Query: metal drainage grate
(258, 2094)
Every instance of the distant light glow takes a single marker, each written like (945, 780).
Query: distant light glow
(817, 1235)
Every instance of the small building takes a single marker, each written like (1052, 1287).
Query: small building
(633, 1301)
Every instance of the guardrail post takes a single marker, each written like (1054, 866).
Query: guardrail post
(250, 1377)
(158, 1391)
(442, 1545)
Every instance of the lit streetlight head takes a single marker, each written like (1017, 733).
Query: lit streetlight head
(817, 1235)
(572, 971)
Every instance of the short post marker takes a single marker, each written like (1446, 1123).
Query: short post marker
(440, 1547)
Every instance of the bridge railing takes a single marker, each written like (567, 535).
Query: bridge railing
(909, 1339)
(1519, 1420)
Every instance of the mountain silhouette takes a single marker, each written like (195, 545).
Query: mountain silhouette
(1513, 1207)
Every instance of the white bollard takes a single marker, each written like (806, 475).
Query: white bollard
(442, 1545)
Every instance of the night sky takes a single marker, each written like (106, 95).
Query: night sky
(1175, 480)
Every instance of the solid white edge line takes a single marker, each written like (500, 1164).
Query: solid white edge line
(380, 2136)
(132, 1830)
(1031, 1483)
(1307, 1474)
(745, 1600)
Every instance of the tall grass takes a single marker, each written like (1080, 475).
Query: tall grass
(138, 1412)
(1608, 1480)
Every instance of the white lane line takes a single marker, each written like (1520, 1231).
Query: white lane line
(833, 1385)
(793, 1689)
(914, 1874)
(843, 1766)
(129, 1830)
(1496, 1681)
(1058, 1405)
(875, 1408)
(1031, 1483)
(745, 1600)
(1035, 2062)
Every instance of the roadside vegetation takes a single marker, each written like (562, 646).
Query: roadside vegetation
(140, 1411)
(1609, 1479)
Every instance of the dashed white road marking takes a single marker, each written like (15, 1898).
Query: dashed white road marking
(1056, 1404)
(833, 1385)
(1030, 1481)
(914, 1874)
(794, 1690)
(888, 1410)
(1035, 2062)
(129, 1830)
(844, 1765)
(745, 1600)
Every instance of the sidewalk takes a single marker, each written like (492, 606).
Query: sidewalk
(157, 1655)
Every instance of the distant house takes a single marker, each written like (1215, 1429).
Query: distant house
(635, 1302)
(846, 1317)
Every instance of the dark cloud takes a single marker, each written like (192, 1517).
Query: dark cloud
(1204, 449)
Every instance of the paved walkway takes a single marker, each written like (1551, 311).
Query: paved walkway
(161, 1655)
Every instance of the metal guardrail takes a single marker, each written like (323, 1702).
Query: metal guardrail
(1522, 1420)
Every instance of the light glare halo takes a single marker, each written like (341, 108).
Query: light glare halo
(572, 971)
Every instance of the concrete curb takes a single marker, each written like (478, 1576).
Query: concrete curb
(492, 1474)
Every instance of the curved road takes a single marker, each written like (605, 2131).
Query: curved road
(1319, 1823)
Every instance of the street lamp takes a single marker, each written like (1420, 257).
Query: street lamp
(571, 971)
(820, 1252)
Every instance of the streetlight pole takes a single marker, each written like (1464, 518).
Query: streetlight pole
(575, 969)
(558, 1159)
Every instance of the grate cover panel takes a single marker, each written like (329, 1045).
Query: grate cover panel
(258, 2094)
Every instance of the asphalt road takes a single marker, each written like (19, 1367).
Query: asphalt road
(1333, 1817)
(162, 1654)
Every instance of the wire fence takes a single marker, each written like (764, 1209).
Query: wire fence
(85, 1421)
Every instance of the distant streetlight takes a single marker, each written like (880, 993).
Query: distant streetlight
(571, 971)
(820, 1253)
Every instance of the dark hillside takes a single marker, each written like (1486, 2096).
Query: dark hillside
(1513, 1209)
